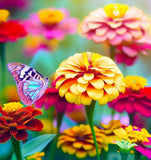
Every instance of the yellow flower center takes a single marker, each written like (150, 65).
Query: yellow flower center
(3, 15)
(136, 134)
(116, 10)
(49, 16)
(36, 156)
(135, 83)
(89, 60)
(12, 107)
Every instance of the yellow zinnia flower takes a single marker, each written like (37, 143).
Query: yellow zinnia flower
(89, 76)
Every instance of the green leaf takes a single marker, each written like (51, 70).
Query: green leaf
(35, 145)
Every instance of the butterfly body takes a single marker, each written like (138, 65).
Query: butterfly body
(31, 85)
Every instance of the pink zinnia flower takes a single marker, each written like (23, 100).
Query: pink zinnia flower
(115, 24)
(128, 53)
(136, 97)
(51, 23)
(52, 98)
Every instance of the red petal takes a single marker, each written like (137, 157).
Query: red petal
(21, 135)
(5, 137)
(34, 125)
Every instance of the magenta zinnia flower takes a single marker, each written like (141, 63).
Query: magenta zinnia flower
(115, 24)
(51, 23)
(136, 97)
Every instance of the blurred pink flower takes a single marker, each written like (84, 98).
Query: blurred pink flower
(133, 100)
(129, 53)
(115, 24)
(52, 98)
(51, 23)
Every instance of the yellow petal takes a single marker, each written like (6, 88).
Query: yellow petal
(81, 154)
(97, 83)
(78, 100)
(81, 87)
(106, 79)
(88, 76)
(92, 152)
(60, 81)
(77, 145)
(82, 80)
(70, 97)
(85, 99)
(87, 146)
(103, 100)
(95, 93)
(73, 89)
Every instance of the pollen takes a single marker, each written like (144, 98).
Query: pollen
(3, 15)
(50, 16)
(12, 107)
(116, 10)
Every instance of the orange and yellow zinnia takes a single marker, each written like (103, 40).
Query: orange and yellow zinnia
(89, 76)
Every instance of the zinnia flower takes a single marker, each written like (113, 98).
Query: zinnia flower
(128, 53)
(88, 76)
(115, 24)
(133, 134)
(51, 98)
(34, 43)
(136, 97)
(11, 30)
(15, 120)
(51, 23)
(78, 141)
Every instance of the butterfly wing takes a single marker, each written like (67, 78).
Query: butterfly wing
(22, 72)
(31, 90)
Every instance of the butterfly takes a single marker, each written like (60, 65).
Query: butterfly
(31, 85)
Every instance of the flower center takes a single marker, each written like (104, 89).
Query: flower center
(3, 15)
(115, 10)
(135, 83)
(136, 134)
(12, 107)
(49, 16)
(90, 58)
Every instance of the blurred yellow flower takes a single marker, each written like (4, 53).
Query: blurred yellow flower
(36, 156)
(135, 83)
(89, 76)
(50, 16)
(12, 107)
(3, 15)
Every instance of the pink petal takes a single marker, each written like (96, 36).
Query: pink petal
(111, 34)
(93, 25)
(132, 24)
(121, 30)
(130, 51)
(114, 24)
(101, 31)
(116, 41)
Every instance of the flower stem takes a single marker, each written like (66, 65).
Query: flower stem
(112, 52)
(17, 148)
(89, 112)
(124, 156)
(137, 155)
(131, 116)
(2, 57)
(59, 121)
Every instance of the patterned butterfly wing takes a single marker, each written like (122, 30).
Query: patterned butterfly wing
(22, 72)
(31, 85)
(31, 90)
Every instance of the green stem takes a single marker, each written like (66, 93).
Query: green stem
(124, 156)
(112, 52)
(89, 112)
(17, 148)
(137, 155)
(59, 121)
(131, 117)
(2, 57)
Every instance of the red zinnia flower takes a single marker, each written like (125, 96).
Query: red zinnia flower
(16, 120)
(136, 98)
